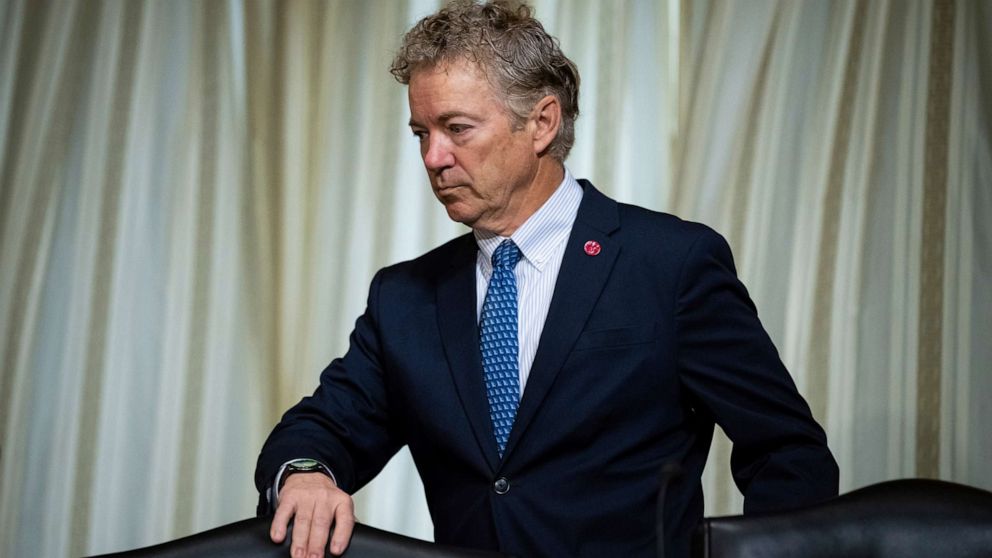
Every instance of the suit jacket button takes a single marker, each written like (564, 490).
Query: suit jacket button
(501, 486)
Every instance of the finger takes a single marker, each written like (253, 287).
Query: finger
(301, 533)
(344, 524)
(280, 522)
(319, 529)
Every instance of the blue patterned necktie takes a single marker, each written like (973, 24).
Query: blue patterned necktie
(498, 339)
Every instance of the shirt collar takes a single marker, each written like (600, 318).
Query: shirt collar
(543, 231)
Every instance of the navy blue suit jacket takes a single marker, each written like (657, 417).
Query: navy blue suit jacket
(646, 345)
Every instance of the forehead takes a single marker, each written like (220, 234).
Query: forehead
(455, 86)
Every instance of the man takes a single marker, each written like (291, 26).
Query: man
(543, 368)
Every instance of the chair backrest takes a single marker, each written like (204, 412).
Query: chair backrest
(908, 517)
(250, 539)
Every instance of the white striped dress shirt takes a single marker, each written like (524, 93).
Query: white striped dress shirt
(541, 240)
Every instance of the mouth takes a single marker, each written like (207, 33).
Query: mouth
(447, 188)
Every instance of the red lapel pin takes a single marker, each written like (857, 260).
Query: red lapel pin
(592, 248)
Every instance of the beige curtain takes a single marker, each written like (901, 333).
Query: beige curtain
(194, 196)
(844, 149)
(135, 262)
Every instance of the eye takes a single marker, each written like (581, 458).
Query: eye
(458, 128)
(420, 135)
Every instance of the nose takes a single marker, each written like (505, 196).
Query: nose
(436, 153)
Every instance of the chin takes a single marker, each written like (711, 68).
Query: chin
(461, 214)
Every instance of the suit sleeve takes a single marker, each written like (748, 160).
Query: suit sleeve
(346, 422)
(733, 372)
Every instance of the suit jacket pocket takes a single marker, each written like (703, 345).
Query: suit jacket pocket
(617, 337)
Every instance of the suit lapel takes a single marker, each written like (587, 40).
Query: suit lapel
(580, 281)
(456, 304)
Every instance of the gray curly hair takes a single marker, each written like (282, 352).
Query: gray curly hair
(512, 49)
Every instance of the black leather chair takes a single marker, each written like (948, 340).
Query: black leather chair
(250, 539)
(900, 518)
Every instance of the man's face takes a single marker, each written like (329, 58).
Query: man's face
(480, 167)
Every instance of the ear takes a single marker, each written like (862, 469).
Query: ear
(546, 118)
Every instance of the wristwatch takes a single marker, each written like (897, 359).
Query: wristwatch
(302, 466)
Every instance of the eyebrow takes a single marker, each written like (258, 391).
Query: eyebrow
(445, 116)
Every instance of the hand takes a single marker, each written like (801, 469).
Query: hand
(317, 504)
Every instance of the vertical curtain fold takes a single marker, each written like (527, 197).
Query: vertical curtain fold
(932, 276)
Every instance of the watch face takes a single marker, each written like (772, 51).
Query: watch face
(304, 465)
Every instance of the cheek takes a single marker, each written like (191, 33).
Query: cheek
(510, 161)
(498, 161)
